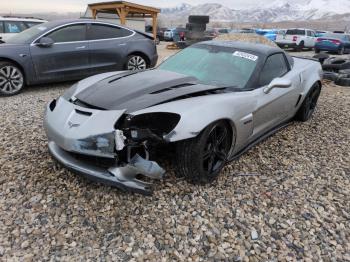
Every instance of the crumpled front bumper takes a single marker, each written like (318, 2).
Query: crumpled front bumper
(123, 177)
(68, 124)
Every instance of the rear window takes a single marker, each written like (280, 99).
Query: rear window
(97, 31)
(295, 32)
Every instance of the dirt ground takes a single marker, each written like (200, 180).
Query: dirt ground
(287, 199)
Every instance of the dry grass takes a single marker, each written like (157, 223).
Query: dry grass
(250, 38)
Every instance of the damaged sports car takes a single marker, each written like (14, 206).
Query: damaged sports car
(212, 102)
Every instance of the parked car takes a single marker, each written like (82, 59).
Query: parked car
(320, 33)
(332, 42)
(268, 33)
(71, 50)
(160, 32)
(10, 26)
(247, 31)
(174, 34)
(212, 101)
(297, 38)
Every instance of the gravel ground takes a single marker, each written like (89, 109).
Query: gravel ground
(286, 199)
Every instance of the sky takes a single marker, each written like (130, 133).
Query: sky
(28, 6)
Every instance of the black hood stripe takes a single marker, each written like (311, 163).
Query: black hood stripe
(140, 90)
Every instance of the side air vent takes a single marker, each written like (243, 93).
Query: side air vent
(298, 101)
(171, 88)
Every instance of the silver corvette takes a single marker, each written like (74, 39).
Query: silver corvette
(212, 101)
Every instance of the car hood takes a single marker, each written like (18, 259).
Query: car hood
(132, 91)
(13, 48)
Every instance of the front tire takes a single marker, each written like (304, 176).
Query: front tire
(11, 79)
(341, 51)
(308, 107)
(201, 159)
(136, 62)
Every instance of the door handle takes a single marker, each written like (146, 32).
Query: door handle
(80, 47)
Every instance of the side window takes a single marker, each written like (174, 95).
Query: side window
(313, 34)
(1, 27)
(275, 66)
(14, 26)
(99, 31)
(308, 33)
(71, 33)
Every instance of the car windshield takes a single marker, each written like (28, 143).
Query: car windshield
(213, 65)
(27, 35)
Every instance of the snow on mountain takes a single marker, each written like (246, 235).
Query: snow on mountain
(278, 10)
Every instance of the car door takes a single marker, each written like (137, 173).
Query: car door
(346, 40)
(67, 58)
(108, 47)
(2, 32)
(275, 106)
(312, 38)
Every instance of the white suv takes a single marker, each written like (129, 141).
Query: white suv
(13, 25)
(297, 38)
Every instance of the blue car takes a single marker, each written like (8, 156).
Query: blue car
(332, 42)
(268, 33)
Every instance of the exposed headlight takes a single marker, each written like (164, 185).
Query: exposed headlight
(70, 92)
(102, 145)
(160, 124)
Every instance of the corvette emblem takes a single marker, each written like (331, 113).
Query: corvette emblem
(71, 125)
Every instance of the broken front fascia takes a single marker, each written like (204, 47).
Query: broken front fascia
(74, 129)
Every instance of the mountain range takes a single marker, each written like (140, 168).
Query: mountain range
(275, 11)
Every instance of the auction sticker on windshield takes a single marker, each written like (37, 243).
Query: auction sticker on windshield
(245, 55)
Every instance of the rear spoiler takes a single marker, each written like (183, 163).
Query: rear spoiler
(149, 36)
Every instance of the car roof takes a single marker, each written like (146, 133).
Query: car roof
(25, 19)
(259, 48)
(55, 23)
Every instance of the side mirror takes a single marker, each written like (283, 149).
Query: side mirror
(278, 83)
(45, 42)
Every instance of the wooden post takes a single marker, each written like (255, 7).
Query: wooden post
(154, 25)
(94, 13)
(122, 13)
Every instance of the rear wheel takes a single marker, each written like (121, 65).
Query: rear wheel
(201, 159)
(136, 62)
(308, 107)
(11, 79)
(301, 46)
(317, 51)
(341, 51)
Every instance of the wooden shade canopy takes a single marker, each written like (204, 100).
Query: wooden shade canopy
(125, 10)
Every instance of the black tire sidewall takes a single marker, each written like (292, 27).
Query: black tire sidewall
(188, 153)
(303, 112)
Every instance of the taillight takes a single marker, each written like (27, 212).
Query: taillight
(337, 42)
(319, 40)
(295, 38)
